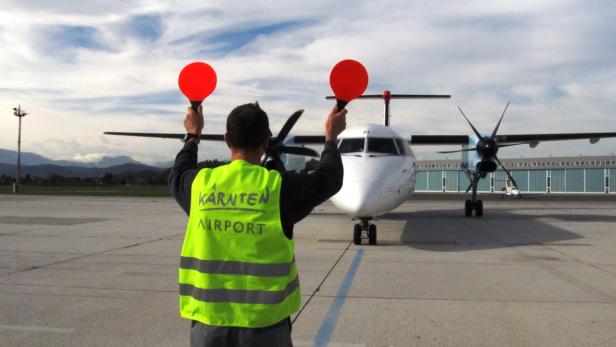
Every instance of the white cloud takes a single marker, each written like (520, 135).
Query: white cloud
(89, 157)
(555, 60)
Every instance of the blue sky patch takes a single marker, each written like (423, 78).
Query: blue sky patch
(226, 41)
(235, 39)
(147, 27)
(75, 37)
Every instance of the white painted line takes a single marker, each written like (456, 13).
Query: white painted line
(36, 329)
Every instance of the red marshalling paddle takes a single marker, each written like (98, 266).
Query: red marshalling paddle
(197, 81)
(348, 80)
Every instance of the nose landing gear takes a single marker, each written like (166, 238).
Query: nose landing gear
(364, 230)
(469, 207)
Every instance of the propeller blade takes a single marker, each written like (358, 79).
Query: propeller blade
(469, 123)
(507, 172)
(273, 163)
(299, 151)
(286, 128)
(459, 150)
(499, 121)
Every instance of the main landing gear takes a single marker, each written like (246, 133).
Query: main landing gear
(473, 203)
(364, 230)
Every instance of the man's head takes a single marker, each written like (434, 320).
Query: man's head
(248, 128)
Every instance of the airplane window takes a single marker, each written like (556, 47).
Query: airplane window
(381, 145)
(401, 147)
(351, 145)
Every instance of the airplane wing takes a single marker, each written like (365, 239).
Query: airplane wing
(299, 139)
(536, 138)
(208, 137)
(438, 140)
(517, 139)
(276, 147)
(309, 139)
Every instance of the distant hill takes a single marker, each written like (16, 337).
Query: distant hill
(163, 164)
(75, 171)
(8, 157)
(32, 159)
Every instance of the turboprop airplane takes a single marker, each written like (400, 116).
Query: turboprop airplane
(479, 153)
(379, 164)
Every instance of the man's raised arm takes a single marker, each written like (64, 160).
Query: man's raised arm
(185, 166)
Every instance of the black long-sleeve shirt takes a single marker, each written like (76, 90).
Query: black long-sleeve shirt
(299, 193)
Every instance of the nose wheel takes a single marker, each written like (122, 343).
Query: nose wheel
(469, 207)
(364, 230)
(357, 234)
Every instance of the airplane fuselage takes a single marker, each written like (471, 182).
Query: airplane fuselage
(379, 169)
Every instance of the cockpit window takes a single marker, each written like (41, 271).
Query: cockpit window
(381, 145)
(351, 145)
(401, 145)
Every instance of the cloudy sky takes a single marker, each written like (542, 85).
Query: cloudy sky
(81, 68)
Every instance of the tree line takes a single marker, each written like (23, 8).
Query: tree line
(144, 177)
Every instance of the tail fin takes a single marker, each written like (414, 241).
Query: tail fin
(387, 96)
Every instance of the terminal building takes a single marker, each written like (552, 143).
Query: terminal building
(583, 174)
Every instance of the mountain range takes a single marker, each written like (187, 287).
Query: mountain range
(27, 158)
(37, 165)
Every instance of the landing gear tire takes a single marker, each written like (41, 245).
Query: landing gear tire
(468, 208)
(479, 208)
(357, 234)
(372, 234)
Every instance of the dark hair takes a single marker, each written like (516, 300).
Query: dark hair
(247, 127)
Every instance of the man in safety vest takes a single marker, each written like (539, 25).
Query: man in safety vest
(238, 280)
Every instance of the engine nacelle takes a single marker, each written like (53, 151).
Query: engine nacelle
(474, 162)
(486, 165)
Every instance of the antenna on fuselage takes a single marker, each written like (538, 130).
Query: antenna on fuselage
(387, 96)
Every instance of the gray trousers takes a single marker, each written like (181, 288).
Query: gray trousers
(203, 335)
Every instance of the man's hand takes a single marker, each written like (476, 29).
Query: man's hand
(335, 124)
(194, 121)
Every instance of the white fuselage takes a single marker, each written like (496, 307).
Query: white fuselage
(379, 169)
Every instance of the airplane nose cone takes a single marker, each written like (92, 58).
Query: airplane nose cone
(358, 197)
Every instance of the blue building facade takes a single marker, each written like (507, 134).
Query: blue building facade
(596, 174)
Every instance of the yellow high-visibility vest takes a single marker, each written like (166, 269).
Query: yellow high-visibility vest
(237, 266)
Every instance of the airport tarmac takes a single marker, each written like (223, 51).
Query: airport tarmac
(90, 271)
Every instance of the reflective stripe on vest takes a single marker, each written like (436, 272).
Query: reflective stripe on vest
(237, 267)
(240, 296)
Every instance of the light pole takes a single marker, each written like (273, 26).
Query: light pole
(18, 112)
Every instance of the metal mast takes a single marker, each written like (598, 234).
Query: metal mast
(18, 112)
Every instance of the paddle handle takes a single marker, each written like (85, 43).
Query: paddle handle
(195, 105)
(340, 104)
